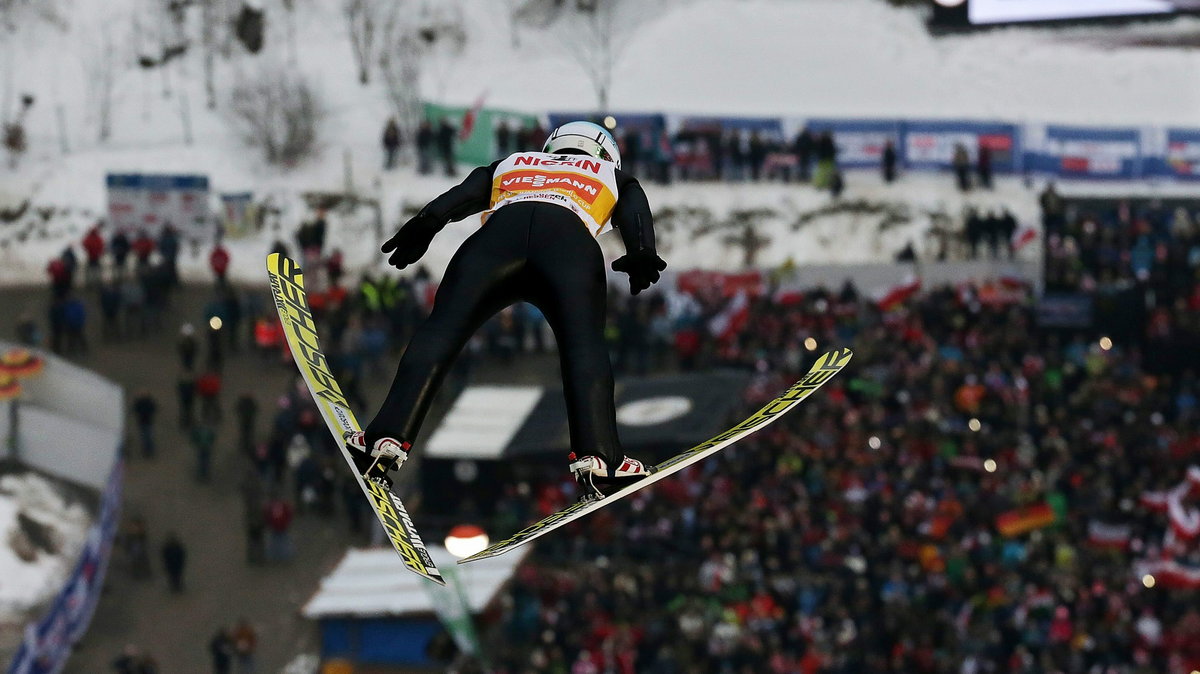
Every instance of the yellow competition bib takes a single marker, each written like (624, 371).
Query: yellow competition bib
(586, 185)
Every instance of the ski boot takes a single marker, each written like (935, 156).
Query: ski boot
(384, 457)
(591, 471)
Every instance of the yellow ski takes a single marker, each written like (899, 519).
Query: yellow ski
(287, 285)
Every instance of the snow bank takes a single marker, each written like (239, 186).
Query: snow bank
(27, 582)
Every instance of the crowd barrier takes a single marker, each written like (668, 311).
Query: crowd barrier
(1055, 150)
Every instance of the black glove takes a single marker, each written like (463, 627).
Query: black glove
(643, 267)
(412, 240)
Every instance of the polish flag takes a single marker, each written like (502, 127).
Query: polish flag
(468, 121)
(898, 294)
(732, 318)
(1023, 236)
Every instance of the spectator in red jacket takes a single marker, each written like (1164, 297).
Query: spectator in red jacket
(93, 247)
(60, 278)
(208, 387)
(143, 246)
(218, 260)
(279, 524)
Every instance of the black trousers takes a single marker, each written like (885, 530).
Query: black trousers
(534, 252)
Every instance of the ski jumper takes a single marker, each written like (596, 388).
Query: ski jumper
(537, 244)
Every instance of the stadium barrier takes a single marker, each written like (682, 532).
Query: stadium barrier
(1061, 151)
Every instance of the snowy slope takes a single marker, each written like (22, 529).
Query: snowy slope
(746, 57)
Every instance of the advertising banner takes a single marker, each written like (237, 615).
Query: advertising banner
(1016, 11)
(931, 144)
(860, 142)
(770, 128)
(1180, 158)
(1082, 152)
(151, 201)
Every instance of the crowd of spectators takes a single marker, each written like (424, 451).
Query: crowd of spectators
(131, 274)
(860, 534)
(1132, 263)
(1104, 245)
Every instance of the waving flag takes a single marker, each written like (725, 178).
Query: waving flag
(1023, 236)
(468, 121)
(732, 318)
(896, 295)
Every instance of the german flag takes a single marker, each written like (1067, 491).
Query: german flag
(1037, 516)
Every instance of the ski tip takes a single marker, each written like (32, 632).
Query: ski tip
(272, 260)
(475, 557)
(837, 357)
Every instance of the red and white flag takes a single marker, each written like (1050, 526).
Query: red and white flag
(896, 295)
(1185, 521)
(469, 117)
(732, 318)
(1023, 236)
(789, 292)
(1169, 574)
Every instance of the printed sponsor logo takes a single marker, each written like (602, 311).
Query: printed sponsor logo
(302, 327)
(584, 188)
(394, 526)
(343, 416)
(411, 533)
(653, 411)
(585, 164)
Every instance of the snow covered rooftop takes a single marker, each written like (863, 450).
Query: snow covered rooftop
(374, 583)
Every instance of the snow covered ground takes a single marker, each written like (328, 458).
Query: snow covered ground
(871, 222)
(746, 57)
(29, 580)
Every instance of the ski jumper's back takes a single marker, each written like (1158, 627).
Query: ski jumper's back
(602, 196)
(585, 185)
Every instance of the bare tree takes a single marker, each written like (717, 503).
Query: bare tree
(401, 69)
(597, 32)
(278, 112)
(208, 19)
(100, 57)
(415, 41)
(363, 18)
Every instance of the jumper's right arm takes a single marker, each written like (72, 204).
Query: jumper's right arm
(470, 196)
(633, 220)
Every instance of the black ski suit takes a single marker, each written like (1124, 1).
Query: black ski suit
(530, 251)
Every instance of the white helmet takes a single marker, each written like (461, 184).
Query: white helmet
(592, 139)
